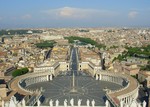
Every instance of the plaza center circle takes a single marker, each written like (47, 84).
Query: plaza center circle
(86, 88)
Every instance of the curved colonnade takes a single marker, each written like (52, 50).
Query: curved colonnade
(122, 96)
(127, 94)
(18, 84)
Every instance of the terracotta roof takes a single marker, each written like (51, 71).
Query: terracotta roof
(3, 54)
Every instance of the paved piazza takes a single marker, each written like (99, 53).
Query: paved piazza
(86, 87)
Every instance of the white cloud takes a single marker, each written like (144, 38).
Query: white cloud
(27, 16)
(68, 12)
(133, 14)
(78, 13)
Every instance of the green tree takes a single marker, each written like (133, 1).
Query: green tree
(19, 72)
(71, 39)
(46, 44)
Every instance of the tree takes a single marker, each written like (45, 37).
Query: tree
(71, 39)
(19, 72)
(46, 44)
(15, 54)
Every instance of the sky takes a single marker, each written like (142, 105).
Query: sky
(74, 13)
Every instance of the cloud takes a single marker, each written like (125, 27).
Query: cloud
(133, 14)
(69, 12)
(78, 13)
(27, 16)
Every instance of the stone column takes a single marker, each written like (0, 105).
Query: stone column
(3, 103)
(121, 103)
(96, 76)
(100, 76)
(47, 77)
(127, 100)
(51, 77)
(23, 103)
